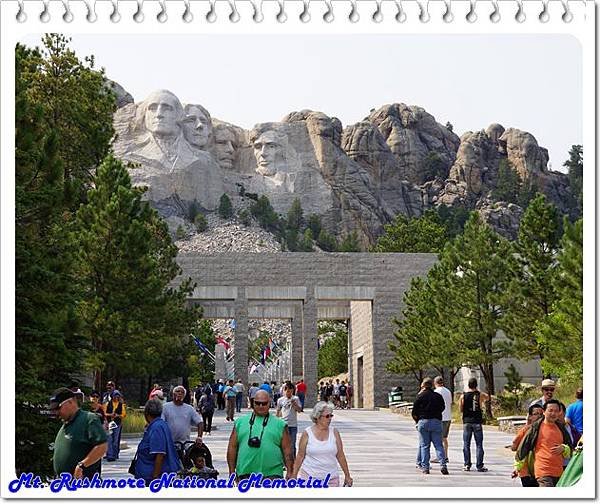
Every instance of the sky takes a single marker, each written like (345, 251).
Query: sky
(533, 83)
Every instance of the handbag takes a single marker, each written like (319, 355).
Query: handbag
(133, 464)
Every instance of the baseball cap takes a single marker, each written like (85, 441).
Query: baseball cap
(59, 396)
(548, 383)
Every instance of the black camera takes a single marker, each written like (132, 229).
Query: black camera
(254, 442)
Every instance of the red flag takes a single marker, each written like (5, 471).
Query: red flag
(221, 341)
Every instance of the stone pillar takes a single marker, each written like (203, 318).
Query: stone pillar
(240, 361)
(296, 346)
(309, 346)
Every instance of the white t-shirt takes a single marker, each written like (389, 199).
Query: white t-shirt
(288, 414)
(180, 420)
(447, 395)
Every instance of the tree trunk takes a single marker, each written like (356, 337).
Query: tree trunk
(488, 373)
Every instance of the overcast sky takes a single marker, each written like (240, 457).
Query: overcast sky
(533, 83)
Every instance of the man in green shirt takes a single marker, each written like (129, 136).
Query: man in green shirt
(81, 441)
(260, 443)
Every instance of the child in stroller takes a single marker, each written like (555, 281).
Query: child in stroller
(196, 459)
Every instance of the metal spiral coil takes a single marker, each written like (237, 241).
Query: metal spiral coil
(305, 16)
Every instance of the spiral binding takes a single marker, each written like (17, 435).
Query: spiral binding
(305, 16)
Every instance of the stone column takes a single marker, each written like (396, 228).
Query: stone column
(240, 361)
(296, 346)
(309, 346)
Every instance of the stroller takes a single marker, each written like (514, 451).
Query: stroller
(187, 452)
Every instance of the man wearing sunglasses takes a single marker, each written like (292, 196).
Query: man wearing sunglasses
(260, 443)
(548, 387)
(81, 441)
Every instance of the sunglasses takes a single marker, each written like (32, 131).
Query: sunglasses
(548, 389)
(330, 415)
(261, 403)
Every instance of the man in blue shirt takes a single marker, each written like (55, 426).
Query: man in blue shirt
(574, 414)
(156, 454)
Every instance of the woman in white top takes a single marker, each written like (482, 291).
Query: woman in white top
(321, 449)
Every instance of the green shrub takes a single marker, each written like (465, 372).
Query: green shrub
(134, 421)
(245, 218)
(201, 223)
(180, 234)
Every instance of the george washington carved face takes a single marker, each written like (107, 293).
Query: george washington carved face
(163, 111)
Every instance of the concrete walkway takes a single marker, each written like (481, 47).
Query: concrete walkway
(381, 449)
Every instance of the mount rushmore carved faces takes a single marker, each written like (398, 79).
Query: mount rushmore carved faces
(226, 143)
(269, 150)
(197, 126)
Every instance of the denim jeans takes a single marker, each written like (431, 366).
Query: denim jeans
(430, 431)
(293, 432)
(114, 442)
(239, 397)
(473, 430)
(301, 397)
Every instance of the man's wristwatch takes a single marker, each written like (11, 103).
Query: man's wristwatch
(81, 465)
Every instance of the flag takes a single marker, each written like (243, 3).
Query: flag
(271, 344)
(232, 324)
(201, 346)
(221, 341)
(267, 351)
(253, 368)
(262, 358)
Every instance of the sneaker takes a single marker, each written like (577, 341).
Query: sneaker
(425, 471)
(466, 468)
(444, 470)
(482, 469)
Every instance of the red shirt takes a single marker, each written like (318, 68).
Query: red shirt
(301, 388)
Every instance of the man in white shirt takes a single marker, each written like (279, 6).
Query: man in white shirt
(447, 413)
(288, 408)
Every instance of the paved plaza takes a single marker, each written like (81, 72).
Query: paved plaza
(381, 449)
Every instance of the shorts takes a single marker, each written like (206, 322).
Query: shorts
(446, 428)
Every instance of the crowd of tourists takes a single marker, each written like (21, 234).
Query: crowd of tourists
(542, 447)
(269, 447)
(265, 440)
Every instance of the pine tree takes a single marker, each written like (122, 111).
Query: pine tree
(327, 242)
(314, 224)
(134, 320)
(476, 262)
(530, 294)
(264, 213)
(575, 167)
(78, 105)
(416, 234)
(225, 207)
(295, 216)
(307, 241)
(560, 334)
(350, 243)
(508, 183)
(47, 343)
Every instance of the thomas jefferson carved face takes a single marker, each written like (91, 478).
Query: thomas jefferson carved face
(269, 151)
(163, 110)
(196, 126)
(225, 144)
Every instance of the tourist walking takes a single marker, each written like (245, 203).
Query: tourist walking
(301, 392)
(438, 382)
(110, 387)
(343, 390)
(81, 441)
(574, 415)
(156, 453)
(230, 394)
(321, 450)
(288, 407)
(220, 396)
(115, 411)
(534, 413)
(260, 443)
(548, 387)
(97, 408)
(472, 417)
(180, 417)
(548, 442)
(427, 414)
(206, 406)
(336, 393)
(252, 393)
(239, 398)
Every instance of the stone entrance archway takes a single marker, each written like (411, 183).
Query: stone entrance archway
(366, 289)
